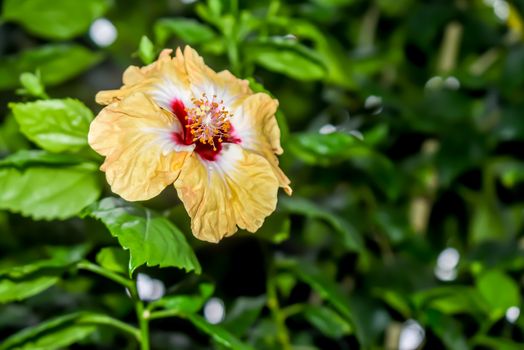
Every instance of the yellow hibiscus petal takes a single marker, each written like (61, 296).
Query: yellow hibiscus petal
(283, 180)
(256, 125)
(199, 73)
(238, 189)
(253, 116)
(228, 88)
(239, 86)
(136, 136)
(166, 76)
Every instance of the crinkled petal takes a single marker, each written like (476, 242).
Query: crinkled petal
(238, 189)
(237, 87)
(172, 83)
(135, 136)
(255, 124)
(204, 80)
(179, 78)
(165, 80)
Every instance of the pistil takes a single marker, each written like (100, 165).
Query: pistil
(208, 121)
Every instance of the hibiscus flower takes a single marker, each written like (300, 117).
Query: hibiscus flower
(176, 121)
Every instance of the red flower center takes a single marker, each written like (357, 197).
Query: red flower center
(206, 124)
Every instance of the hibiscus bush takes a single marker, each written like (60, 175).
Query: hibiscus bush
(143, 145)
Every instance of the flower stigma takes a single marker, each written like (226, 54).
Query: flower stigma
(208, 121)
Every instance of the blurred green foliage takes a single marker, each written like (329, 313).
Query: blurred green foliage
(403, 135)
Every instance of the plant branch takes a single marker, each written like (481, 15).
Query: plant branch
(141, 335)
(143, 316)
(143, 321)
(278, 316)
(89, 266)
(292, 310)
(109, 321)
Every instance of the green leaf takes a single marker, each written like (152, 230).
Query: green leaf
(287, 57)
(151, 239)
(21, 282)
(44, 192)
(327, 289)
(348, 235)
(328, 149)
(447, 329)
(56, 63)
(450, 300)
(486, 222)
(62, 331)
(15, 315)
(59, 20)
(499, 291)
(323, 149)
(335, 3)
(327, 321)
(366, 320)
(394, 222)
(330, 51)
(28, 158)
(53, 334)
(114, 259)
(59, 257)
(370, 319)
(22, 288)
(11, 140)
(395, 8)
(54, 125)
(396, 300)
(219, 334)
(68, 254)
(185, 304)
(510, 171)
(243, 314)
(190, 31)
(285, 283)
(215, 7)
(376, 135)
(146, 50)
(32, 85)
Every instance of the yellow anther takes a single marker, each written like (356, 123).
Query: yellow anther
(208, 120)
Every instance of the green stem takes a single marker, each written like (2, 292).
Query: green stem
(143, 335)
(368, 28)
(276, 312)
(143, 321)
(292, 310)
(109, 321)
(89, 266)
(143, 316)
